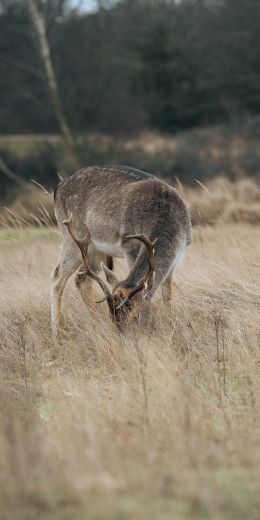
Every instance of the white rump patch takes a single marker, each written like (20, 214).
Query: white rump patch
(109, 249)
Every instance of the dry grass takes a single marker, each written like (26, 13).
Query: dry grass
(215, 201)
(220, 200)
(161, 423)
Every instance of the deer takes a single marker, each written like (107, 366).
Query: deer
(118, 212)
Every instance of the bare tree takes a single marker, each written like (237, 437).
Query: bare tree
(45, 55)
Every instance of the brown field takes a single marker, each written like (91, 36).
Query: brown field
(157, 424)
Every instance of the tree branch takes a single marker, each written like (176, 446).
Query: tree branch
(45, 55)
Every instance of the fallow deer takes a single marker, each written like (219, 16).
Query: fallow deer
(106, 212)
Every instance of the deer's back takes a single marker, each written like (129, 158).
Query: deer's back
(120, 200)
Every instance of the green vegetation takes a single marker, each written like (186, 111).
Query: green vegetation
(168, 66)
(156, 71)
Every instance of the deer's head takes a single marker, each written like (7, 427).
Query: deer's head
(123, 302)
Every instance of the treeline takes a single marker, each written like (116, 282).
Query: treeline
(136, 64)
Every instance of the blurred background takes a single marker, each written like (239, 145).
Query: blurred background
(170, 87)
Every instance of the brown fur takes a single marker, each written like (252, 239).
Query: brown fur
(114, 202)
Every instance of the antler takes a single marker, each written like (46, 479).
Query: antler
(83, 246)
(146, 282)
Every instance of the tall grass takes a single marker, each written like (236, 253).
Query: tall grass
(215, 201)
(157, 423)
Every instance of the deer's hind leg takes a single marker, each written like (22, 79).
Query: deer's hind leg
(167, 288)
(69, 262)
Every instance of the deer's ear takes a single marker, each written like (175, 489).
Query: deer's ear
(110, 276)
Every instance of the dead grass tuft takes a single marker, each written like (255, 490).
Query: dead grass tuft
(221, 200)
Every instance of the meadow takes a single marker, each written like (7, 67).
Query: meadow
(162, 422)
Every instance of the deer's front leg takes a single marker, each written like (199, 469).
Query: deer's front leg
(66, 267)
(55, 300)
(58, 281)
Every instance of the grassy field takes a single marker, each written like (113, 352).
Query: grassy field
(157, 424)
